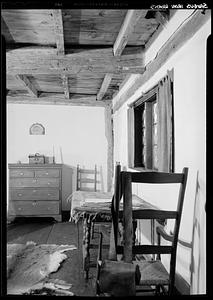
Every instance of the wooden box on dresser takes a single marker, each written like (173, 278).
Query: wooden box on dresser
(35, 190)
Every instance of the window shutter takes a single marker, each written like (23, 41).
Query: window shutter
(131, 137)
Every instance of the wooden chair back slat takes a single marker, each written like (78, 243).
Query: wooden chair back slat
(157, 177)
(83, 181)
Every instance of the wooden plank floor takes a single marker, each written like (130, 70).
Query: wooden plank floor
(43, 231)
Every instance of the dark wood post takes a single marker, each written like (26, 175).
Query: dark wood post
(127, 215)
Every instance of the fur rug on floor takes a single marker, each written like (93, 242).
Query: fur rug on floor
(29, 266)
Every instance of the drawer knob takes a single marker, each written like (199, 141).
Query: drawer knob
(34, 180)
(48, 194)
(20, 194)
(19, 208)
(48, 183)
(21, 173)
(34, 191)
(47, 173)
(34, 203)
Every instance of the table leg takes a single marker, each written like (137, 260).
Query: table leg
(134, 225)
(92, 229)
(86, 244)
(153, 235)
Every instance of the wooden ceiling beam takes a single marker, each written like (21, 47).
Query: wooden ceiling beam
(59, 31)
(24, 80)
(38, 60)
(127, 28)
(66, 86)
(57, 99)
(104, 86)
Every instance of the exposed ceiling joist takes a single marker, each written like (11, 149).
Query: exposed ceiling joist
(39, 60)
(104, 86)
(173, 44)
(59, 31)
(23, 79)
(53, 98)
(66, 86)
(127, 28)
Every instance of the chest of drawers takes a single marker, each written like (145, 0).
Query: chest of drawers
(35, 190)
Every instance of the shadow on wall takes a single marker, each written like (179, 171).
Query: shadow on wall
(197, 245)
(198, 253)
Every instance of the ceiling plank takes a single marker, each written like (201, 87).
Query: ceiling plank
(173, 44)
(59, 31)
(24, 80)
(66, 86)
(56, 99)
(127, 28)
(104, 86)
(40, 60)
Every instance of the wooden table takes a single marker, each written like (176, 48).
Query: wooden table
(101, 211)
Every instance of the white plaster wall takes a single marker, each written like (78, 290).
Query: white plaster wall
(189, 65)
(76, 133)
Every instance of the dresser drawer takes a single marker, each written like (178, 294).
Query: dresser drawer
(34, 194)
(47, 173)
(34, 182)
(33, 208)
(21, 173)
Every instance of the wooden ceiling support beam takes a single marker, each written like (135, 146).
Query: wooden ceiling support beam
(173, 44)
(38, 60)
(24, 80)
(127, 28)
(59, 31)
(66, 86)
(104, 86)
(57, 99)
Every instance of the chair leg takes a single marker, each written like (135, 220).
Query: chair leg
(92, 230)
(86, 245)
(164, 290)
(157, 290)
(98, 291)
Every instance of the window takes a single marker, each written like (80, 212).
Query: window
(150, 129)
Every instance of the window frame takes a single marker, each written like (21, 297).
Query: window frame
(134, 161)
(144, 105)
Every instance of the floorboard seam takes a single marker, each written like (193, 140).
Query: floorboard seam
(50, 233)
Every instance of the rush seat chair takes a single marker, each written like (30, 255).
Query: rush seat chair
(148, 273)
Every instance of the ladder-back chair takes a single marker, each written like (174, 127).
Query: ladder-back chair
(87, 179)
(152, 272)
